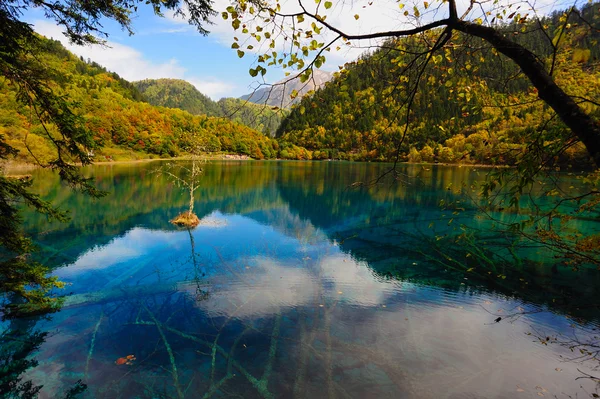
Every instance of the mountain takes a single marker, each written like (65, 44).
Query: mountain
(257, 116)
(123, 125)
(175, 93)
(279, 94)
(468, 106)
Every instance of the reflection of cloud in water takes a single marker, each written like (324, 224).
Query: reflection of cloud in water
(269, 286)
(437, 346)
(354, 280)
(214, 220)
(135, 243)
(430, 341)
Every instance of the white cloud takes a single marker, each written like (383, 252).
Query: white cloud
(374, 16)
(176, 30)
(131, 64)
(379, 16)
(212, 87)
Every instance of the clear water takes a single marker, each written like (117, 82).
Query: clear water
(295, 285)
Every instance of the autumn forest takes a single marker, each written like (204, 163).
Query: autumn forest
(297, 199)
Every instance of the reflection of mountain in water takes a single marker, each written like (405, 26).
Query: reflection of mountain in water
(387, 226)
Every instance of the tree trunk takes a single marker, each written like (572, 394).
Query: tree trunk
(580, 123)
(191, 211)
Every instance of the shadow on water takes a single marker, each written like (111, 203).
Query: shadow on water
(388, 227)
(20, 340)
(296, 286)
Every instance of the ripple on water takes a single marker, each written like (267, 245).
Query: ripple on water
(288, 290)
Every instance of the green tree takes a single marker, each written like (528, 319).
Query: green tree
(24, 284)
(435, 24)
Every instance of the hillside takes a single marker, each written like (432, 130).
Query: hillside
(175, 93)
(122, 125)
(470, 106)
(279, 94)
(257, 116)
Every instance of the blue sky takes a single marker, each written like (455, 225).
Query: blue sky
(167, 47)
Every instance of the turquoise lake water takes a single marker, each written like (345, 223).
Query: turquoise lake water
(296, 284)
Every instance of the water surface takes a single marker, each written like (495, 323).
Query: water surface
(296, 285)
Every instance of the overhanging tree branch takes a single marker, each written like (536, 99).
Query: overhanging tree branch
(581, 123)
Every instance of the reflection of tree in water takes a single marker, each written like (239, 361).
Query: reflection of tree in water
(199, 270)
(186, 346)
(479, 261)
(176, 336)
(185, 349)
(19, 342)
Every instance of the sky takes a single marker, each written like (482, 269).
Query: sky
(163, 48)
(168, 47)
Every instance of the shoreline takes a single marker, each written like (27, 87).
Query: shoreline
(12, 168)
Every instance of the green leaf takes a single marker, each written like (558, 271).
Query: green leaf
(356, 16)
(235, 24)
(240, 53)
(253, 72)
(294, 94)
(304, 77)
(328, 5)
(224, 15)
(235, 46)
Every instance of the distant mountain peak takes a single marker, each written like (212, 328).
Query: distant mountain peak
(177, 93)
(279, 94)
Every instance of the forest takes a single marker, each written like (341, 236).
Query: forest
(124, 125)
(180, 94)
(472, 106)
(196, 274)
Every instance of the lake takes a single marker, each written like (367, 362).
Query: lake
(298, 283)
